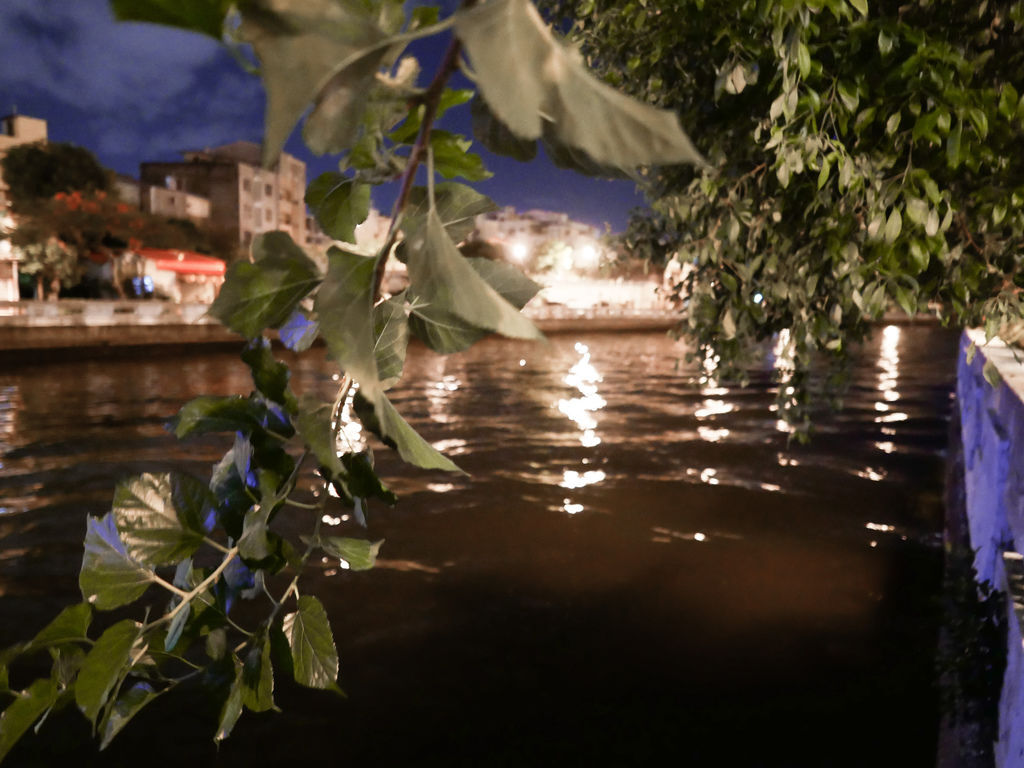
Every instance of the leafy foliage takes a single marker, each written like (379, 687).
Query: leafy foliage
(190, 549)
(35, 172)
(862, 157)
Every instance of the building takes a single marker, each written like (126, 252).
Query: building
(14, 130)
(242, 198)
(523, 234)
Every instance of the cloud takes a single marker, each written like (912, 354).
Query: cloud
(81, 56)
(129, 92)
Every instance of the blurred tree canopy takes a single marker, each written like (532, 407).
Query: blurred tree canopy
(861, 156)
(39, 171)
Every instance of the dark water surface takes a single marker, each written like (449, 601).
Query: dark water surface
(639, 569)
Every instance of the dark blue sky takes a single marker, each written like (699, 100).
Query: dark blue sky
(137, 92)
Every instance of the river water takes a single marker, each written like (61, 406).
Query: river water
(639, 568)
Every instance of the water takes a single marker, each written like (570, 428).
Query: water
(639, 569)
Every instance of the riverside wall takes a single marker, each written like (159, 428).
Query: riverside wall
(992, 436)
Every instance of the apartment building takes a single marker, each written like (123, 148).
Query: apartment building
(15, 130)
(242, 198)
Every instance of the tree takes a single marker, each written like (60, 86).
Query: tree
(205, 544)
(861, 156)
(37, 172)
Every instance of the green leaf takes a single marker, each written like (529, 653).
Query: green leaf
(269, 375)
(339, 203)
(456, 204)
(362, 480)
(358, 554)
(893, 226)
(452, 157)
(231, 710)
(70, 625)
(344, 304)
(315, 50)
(861, 6)
(1008, 101)
(264, 294)
(299, 331)
(381, 418)
(444, 283)
(893, 123)
(953, 145)
(991, 374)
(496, 136)
(445, 332)
(177, 626)
(257, 677)
(109, 578)
(917, 210)
(803, 61)
(104, 665)
(209, 413)
(125, 708)
(159, 518)
(531, 77)
(391, 338)
(314, 424)
(314, 656)
(206, 16)
(27, 707)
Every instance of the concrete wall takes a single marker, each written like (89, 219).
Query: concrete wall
(992, 431)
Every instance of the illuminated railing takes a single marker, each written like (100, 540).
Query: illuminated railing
(97, 312)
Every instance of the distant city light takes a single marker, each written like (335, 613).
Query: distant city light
(519, 252)
(758, 297)
(586, 256)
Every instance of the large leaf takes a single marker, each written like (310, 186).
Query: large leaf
(445, 284)
(452, 157)
(496, 136)
(314, 424)
(257, 676)
(456, 204)
(263, 294)
(531, 77)
(344, 304)
(381, 418)
(160, 517)
(268, 374)
(231, 710)
(104, 666)
(339, 203)
(70, 625)
(314, 656)
(128, 705)
(305, 46)
(391, 338)
(446, 333)
(206, 16)
(299, 331)
(109, 578)
(358, 554)
(28, 707)
(211, 413)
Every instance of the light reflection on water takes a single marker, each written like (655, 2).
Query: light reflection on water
(613, 503)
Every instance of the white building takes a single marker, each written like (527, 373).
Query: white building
(522, 235)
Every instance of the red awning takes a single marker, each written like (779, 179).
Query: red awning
(184, 262)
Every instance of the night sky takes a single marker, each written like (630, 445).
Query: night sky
(136, 92)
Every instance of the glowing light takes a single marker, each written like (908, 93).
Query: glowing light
(708, 476)
(712, 435)
(349, 430)
(331, 520)
(573, 479)
(440, 487)
(885, 447)
(520, 251)
(880, 527)
(758, 297)
(890, 418)
(699, 537)
(714, 408)
(522, 363)
(586, 256)
(871, 474)
(572, 509)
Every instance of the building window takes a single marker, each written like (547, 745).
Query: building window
(268, 190)
(266, 215)
(247, 185)
(286, 219)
